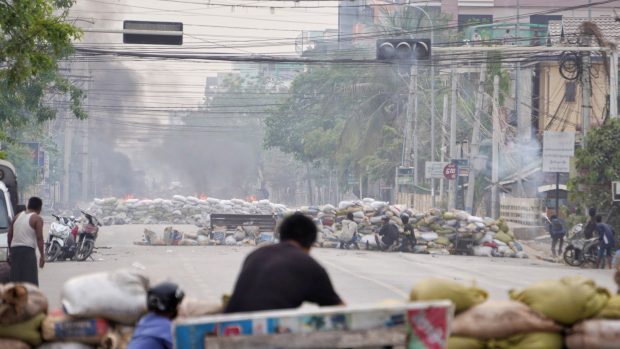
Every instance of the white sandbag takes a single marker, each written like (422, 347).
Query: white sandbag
(369, 239)
(118, 296)
(230, 240)
(483, 251)
(499, 242)
(429, 236)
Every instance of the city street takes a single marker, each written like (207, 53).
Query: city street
(359, 276)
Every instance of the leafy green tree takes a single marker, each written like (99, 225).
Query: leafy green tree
(597, 165)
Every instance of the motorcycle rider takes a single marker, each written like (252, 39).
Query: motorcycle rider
(557, 232)
(348, 236)
(389, 234)
(408, 240)
(154, 330)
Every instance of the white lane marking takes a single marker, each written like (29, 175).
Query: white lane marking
(387, 286)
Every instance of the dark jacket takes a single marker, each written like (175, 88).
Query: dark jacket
(389, 232)
(556, 227)
(606, 235)
(589, 229)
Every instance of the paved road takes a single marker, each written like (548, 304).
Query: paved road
(359, 276)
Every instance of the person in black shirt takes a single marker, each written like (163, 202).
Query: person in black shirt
(389, 234)
(283, 276)
(590, 228)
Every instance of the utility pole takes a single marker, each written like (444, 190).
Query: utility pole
(66, 182)
(453, 186)
(416, 130)
(495, 150)
(586, 88)
(409, 128)
(444, 136)
(475, 140)
(613, 84)
(432, 130)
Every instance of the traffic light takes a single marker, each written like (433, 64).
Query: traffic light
(403, 49)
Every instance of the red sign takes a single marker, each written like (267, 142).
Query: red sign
(428, 327)
(450, 172)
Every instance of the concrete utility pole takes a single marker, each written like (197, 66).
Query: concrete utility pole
(416, 130)
(444, 136)
(66, 183)
(586, 90)
(409, 128)
(475, 140)
(432, 128)
(453, 186)
(613, 84)
(495, 150)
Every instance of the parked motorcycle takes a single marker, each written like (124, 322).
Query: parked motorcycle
(580, 250)
(60, 243)
(87, 237)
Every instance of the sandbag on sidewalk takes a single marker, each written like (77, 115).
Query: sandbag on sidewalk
(462, 296)
(611, 309)
(565, 301)
(62, 328)
(456, 342)
(118, 296)
(28, 331)
(537, 340)
(20, 302)
(13, 344)
(595, 334)
(500, 319)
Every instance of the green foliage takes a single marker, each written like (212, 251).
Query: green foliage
(34, 37)
(597, 165)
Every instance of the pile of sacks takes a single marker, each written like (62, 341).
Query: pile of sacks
(178, 210)
(243, 235)
(436, 230)
(568, 313)
(100, 311)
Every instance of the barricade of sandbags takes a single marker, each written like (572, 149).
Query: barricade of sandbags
(594, 334)
(117, 296)
(463, 297)
(20, 302)
(177, 210)
(63, 328)
(500, 319)
(13, 344)
(566, 301)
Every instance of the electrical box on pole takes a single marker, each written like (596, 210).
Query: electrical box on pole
(403, 49)
(152, 33)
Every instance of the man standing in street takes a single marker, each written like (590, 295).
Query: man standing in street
(25, 236)
(590, 227)
(606, 242)
(283, 276)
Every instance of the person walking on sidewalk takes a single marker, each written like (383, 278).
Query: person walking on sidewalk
(24, 237)
(557, 231)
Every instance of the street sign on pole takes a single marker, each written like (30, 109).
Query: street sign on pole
(434, 169)
(558, 147)
(404, 175)
(449, 172)
(152, 33)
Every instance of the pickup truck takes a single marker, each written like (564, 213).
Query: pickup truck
(8, 208)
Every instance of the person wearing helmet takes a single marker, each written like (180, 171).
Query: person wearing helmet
(408, 241)
(388, 233)
(154, 330)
